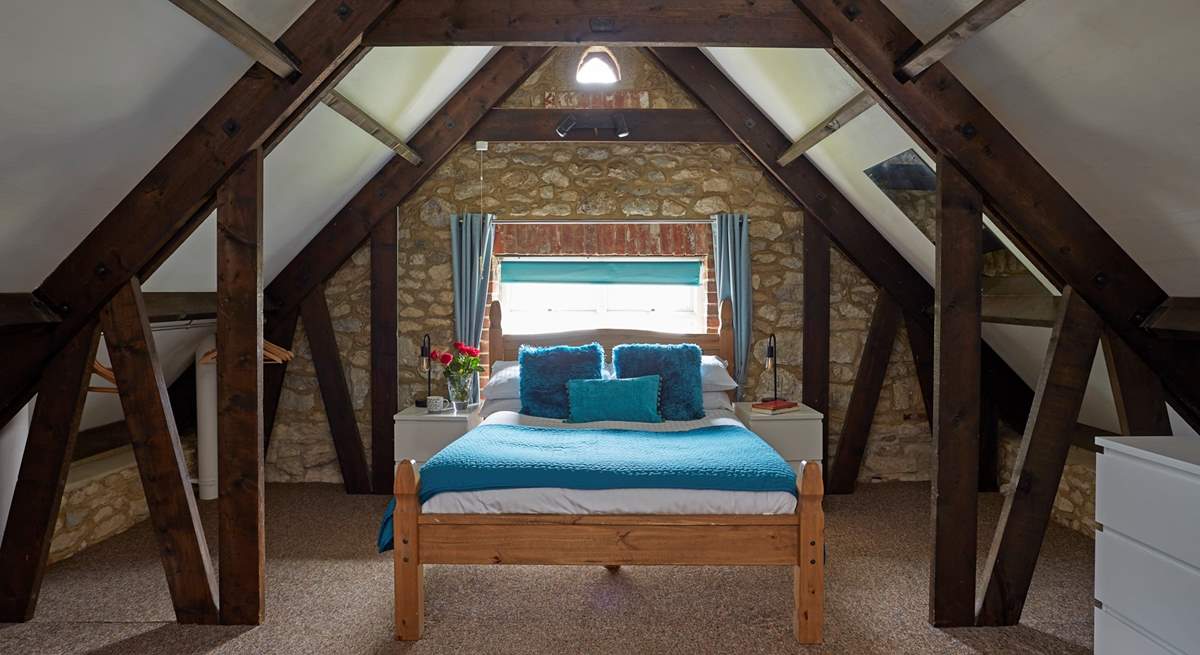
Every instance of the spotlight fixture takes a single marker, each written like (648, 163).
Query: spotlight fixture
(565, 125)
(620, 125)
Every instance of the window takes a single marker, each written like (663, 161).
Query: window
(597, 66)
(544, 294)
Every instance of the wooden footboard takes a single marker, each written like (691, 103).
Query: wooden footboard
(610, 540)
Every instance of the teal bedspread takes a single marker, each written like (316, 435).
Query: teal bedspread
(725, 458)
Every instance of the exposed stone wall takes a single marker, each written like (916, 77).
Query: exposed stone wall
(1075, 503)
(625, 181)
(103, 497)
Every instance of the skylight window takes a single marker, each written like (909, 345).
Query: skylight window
(597, 66)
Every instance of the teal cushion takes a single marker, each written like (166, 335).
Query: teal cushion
(678, 365)
(545, 372)
(630, 399)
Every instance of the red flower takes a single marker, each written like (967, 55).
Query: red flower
(474, 351)
(458, 345)
(446, 357)
(435, 355)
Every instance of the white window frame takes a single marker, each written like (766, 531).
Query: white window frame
(692, 321)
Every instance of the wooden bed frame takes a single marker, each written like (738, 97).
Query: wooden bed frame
(610, 540)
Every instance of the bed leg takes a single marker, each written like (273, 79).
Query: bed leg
(809, 571)
(612, 568)
(410, 582)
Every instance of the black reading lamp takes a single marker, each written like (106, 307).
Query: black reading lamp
(427, 369)
(772, 366)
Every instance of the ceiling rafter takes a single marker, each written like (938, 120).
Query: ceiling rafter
(973, 22)
(218, 18)
(853, 108)
(355, 114)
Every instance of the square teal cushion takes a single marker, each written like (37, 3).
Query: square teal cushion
(545, 372)
(681, 397)
(630, 399)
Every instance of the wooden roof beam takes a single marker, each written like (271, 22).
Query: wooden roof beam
(762, 23)
(643, 125)
(355, 114)
(1176, 318)
(973, 22)
(834, 122)
(218, 18)
(1023, 198)
(1030, 310)
(351, 226)
(173, 198)
(24, 310)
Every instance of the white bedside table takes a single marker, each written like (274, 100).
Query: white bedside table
(419, 434)
(794, 435)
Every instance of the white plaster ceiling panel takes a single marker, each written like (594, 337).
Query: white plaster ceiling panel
(1106, 95)
(307, 179)
(402, 87)
(95, 94)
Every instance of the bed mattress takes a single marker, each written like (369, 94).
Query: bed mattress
(556, 500)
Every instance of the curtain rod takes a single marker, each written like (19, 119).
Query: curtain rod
(604, 221)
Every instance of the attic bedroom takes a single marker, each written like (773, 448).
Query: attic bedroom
(554, 327)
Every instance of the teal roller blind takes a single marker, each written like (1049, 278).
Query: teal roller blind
(601, 272)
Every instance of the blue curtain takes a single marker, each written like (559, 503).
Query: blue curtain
(731, 250)
(471, 238)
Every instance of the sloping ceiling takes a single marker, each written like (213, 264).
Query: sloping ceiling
(1104, 93)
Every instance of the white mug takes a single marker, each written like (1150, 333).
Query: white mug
(436, 403)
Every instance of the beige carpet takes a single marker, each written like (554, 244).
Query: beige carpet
(329, 592)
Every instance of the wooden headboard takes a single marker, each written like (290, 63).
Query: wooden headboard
(504, 346)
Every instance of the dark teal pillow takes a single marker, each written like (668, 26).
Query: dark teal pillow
(681, 397)
(631, 399)
(545, 372)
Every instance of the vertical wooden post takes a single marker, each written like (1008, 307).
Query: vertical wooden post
(240, 393)
(1040, 460)
(1137, 391)
(815, 388)
(956, 357)
(43, 475)
(160, 459)
(809, 573)
(409, 573)
(335, 393)
(384, 382)
(868, 382)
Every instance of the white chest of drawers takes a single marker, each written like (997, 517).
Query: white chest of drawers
(1148, 549)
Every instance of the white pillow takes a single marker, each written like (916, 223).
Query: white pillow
(504, 383)
(713, 376)
(717, 400)
(491, 406)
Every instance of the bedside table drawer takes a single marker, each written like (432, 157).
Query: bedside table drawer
(795, 440)
(420, 435)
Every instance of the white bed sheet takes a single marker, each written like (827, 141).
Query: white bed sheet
(556, 500)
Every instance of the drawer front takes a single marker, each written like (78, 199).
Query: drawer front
(1151, 590)
(794, 440)
(420, 440)
(1127, 487)
(1113, 636)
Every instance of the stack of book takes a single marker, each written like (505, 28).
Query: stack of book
(777, 406)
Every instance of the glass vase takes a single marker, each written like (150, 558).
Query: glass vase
(458, 390)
